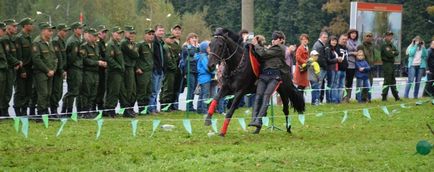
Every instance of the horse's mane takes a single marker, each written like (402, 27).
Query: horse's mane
(232, 35)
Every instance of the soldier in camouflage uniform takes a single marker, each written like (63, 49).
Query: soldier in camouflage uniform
(176, 50)
(144, 65)
(388, 54)
(102, 32)
(5, 63)
(128, 88)
(9, 45)
(167, 94)
(115, 70)
(74, 68)
(44, 65)
(89, 52)
(59, 45)
(24, 92)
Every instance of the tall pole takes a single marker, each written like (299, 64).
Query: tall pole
(247, 15)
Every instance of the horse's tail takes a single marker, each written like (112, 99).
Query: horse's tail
(295, 97)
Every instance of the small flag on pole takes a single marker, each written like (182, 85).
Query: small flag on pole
(242, 123)
(345, 117)
(63, 120)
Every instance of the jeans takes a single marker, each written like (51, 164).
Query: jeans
(362, 84)
(315, 86)
(191, 86)
(332, 77)
(414, 74)
(204, 95)
(322, 77)
(157, 80)
(340, 86)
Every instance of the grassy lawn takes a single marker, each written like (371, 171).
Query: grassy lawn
(384, 143)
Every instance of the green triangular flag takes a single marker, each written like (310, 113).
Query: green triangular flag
(345, 92)
(121, 111)
(99, 116)
(99, 122)
(288, 121)
(366, 113)
(301, 118)
(432, 101)
(187, 125)
(208, 101)
(242, 123)
(319, 114)
(385, 110)
(214, 125)
(265, 120)
(404, 106)
(63, 120)
(134, 126)
(371, 90)
(166, 108)
(229, 97)
(327, 88)
(358, 90)
(17, 124)
(25, 126)
(188, 101)
(384, 87)
(308, 90)
(144, 111)
(432, 84)
(74, 116)
(45, 120)
(345, 117)
(155, 124)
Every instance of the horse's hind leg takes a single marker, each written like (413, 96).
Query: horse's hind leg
(213, 105)
(231, 111)
(285, 102)
(257, 130)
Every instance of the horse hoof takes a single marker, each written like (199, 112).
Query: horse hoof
(222, 134)
(208, 120)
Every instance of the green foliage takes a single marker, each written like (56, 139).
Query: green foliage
(323, 144)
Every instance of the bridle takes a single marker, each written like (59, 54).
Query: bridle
(226, 48)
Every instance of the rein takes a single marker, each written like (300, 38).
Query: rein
(227, 73)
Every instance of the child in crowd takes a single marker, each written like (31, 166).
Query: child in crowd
(204, 77)
(362, 76)
(313, 72)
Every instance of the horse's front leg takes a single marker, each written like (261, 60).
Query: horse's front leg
(222, 92)
(285, 102)
(234, 106)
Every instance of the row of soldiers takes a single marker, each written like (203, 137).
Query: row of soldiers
(98, 74)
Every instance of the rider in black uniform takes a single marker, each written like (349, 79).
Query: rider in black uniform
(272, 61)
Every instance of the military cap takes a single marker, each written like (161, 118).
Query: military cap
(45, 25)
(169, 35)
(177, 26)
(92, 31)
(368, 34)
(117, 29)
(129, 29)
(10, 22)
(147, 30)
(2, 25)
(388, 33)
(63, 26)
(26, 21)
(102, 28)
(76, 25)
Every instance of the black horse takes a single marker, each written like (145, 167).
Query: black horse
(239, 78)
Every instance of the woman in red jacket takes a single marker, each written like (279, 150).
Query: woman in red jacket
(301, 57)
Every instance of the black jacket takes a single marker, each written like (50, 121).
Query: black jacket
(430, 61)
(342, 52)
(159, 53)
(331, 58)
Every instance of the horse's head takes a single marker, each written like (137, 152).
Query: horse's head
(222, 46)
(218, 51)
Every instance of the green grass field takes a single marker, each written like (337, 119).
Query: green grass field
(384, 143)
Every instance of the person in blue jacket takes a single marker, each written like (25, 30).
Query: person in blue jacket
(204, 77)
(362, 76)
